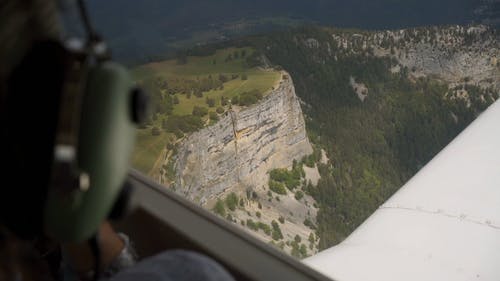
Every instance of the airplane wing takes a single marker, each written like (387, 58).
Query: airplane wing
(444, 224)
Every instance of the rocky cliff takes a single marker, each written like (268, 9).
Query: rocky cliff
(242, 147)
(456, 54)
(235, 155)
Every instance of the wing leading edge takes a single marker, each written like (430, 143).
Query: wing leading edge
(444, 224)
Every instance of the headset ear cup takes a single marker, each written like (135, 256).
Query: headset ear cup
(106, 140)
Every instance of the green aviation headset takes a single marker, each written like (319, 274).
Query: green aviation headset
(98, 110)
(95, 136)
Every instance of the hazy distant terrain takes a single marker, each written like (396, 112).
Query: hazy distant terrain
(146, 30)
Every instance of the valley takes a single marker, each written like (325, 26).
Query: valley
(298, 136)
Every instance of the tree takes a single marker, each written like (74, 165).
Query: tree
(297, 238)
(249, 98)
(198, 93)
(303, 251)
(223, 78)
(160, 103)
(254, 195)
(219, 110)
(223, 101)
(295, 250)
(299, 195)
(232, 201)
(219, 208)
(309, 223)
(175, 99)
(155, 131)
(290, 178)
(179, 134)
(311, 238)
(200, 111)
(235, 100)
(252, 225)
(178, 124)
(264, 227)
(276, 233)
(213, 116)
(210, 102)
(277, 187)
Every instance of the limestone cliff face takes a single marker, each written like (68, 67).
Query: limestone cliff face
(456, 54)
(240, 149)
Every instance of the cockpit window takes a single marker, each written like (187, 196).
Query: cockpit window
(295, 120)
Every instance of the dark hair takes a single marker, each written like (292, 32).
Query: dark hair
(28, 125)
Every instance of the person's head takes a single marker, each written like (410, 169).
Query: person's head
(30, 77)
(67, 125)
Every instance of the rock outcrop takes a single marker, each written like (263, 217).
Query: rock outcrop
(236, 154)
(240, 149)
(455, 54)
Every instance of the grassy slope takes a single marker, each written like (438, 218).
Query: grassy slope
(148, 147)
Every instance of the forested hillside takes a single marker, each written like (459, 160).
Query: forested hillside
(375, 141)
